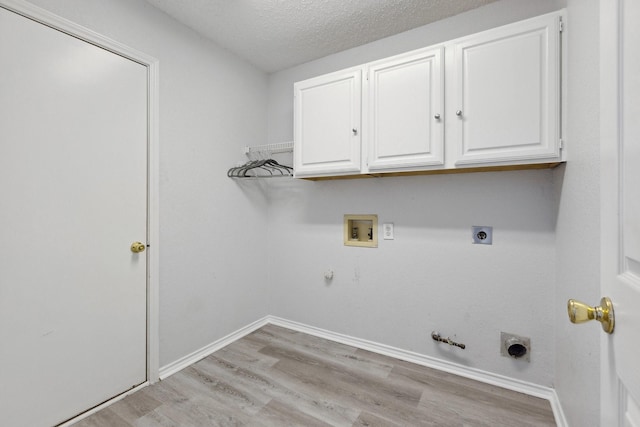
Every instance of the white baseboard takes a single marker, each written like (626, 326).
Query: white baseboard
(409, 356)
(205, 351)
(558, 413)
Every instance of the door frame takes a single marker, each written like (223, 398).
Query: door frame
(56, 22)
(610, 149)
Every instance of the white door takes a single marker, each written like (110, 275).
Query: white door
(327, 120)
(73, 191)
(620, 192)
(405, 111)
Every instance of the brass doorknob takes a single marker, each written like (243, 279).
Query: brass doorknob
(137, 247)
(580, 313)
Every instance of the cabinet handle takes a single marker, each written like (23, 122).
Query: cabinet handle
(437, 117)
(459, 113)
(355, 131)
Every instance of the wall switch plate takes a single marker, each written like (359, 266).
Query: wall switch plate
(387, 231)
(482, 235)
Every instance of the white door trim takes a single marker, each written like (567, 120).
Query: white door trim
(609, 136)
(49, 19)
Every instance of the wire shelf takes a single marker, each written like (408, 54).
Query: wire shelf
(278, 147)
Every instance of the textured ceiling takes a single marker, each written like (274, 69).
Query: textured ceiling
(277, 34)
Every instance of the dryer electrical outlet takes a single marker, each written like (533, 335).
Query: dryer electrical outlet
(482, 235)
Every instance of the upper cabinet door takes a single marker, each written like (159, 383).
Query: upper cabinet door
(506, 94)
(405, 111)
(327, 124)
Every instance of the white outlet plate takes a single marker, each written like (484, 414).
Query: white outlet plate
(387, 231)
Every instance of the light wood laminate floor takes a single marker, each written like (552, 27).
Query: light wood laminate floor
(279, 377)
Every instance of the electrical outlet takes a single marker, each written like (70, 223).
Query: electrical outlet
(387, 231)
(482, 235)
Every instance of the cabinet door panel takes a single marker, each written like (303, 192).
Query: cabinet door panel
(507, 83)
(404, 96)
(327, 124)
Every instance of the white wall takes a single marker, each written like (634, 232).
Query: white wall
(213, 261)
(211, 104)
(578, 242)
(430, 277)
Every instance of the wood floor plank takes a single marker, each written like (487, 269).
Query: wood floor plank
(137, 406)
(306, 395)
(245, 351)
(198, 412)
(273, 333)
(446, 390)
(104, 418)
(279, 389)
(277, 413)
(280, 377)
(156, 419)
(226, 394)
(318, 347)
(367, 419)
(373, 396)
(465, 395)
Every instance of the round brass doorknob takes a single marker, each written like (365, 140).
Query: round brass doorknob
(580, 312)
(137, 247)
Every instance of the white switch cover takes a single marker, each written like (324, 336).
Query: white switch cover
(387, 231)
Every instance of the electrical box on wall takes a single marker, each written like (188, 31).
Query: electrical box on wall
(361, 230)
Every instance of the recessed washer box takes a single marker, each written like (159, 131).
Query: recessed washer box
(361, 230)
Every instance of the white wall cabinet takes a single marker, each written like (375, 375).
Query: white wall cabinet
(404, 106)
(505, 103)
(328, 116)
(501, 89)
